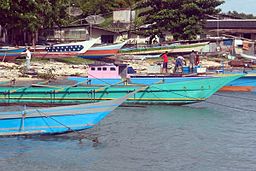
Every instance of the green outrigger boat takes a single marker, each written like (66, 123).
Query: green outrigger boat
(184, 92)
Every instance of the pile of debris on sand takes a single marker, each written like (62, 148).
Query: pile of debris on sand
(39, 69)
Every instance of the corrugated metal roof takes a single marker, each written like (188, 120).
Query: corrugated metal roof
(231, 24)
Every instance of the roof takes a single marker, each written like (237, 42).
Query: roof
(231, 24)
(86, 25)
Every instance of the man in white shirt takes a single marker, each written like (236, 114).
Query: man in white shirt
(28, 58)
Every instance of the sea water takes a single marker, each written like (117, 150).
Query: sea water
(219, 134)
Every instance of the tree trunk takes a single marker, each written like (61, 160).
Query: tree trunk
(34, 39)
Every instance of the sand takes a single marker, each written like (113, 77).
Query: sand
(57, 70)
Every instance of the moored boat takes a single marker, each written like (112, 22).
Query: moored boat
(10, 54)
(112, 74)
(63, 50)
(183, 92)
(57, 119)
(99, 52)
(173, 48)
(247, 83)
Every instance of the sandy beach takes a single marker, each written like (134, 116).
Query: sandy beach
(43, 70)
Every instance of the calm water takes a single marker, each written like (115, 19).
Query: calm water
(202, 136)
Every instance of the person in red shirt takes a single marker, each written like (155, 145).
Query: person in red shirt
(197, 60)
(165, 63)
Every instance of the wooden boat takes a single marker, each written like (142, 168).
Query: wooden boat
(251, 57)
(10, 54)
(247, 83)
(183, 92)
(62, 50)
(57, 119)
(140, 57)
(173, 48)
(99, 52)
(112, 74)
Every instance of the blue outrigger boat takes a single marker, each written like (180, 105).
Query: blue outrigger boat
(102, 74)
(57, 119)
(10, 54)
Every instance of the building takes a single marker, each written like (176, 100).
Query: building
(245, 28)
(80, 33)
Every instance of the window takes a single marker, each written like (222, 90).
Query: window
(112, 69)
(99, 68)
(104, 69)
(107, 39)
(93, 69)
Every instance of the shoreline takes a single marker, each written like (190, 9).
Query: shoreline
(45, 70)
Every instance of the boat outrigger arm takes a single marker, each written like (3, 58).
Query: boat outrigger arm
(16, 123)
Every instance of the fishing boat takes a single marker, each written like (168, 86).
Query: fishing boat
(63, 50)
(10, 54)
(99, 52)
(57, 119)
(112, 74)
(247, 83)
(250, 57)
(183, 92)
(173, 48)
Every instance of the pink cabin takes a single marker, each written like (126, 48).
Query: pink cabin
(108, 71)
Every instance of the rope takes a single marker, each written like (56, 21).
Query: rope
(99, 79)
(81, 136)
(237, 108)
(232, 107)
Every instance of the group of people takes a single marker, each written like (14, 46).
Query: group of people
(180, 62)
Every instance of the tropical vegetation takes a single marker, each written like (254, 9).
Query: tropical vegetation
(183, 18)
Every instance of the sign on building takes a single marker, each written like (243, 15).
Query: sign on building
(123, 16)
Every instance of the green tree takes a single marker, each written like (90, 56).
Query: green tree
(104, 7)
(241, 15)
(28, 16)
(183, 18)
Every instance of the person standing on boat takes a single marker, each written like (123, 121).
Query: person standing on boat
(192, 58)
(28, 58)
(197, 60)
(180, 61)
(165, 62)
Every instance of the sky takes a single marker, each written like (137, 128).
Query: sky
(245, 6)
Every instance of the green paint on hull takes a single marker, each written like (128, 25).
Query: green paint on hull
(185, 92)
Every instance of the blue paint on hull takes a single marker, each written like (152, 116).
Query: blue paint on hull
(147, 81)
(11, 52)
(244, 81)
(51, 125)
